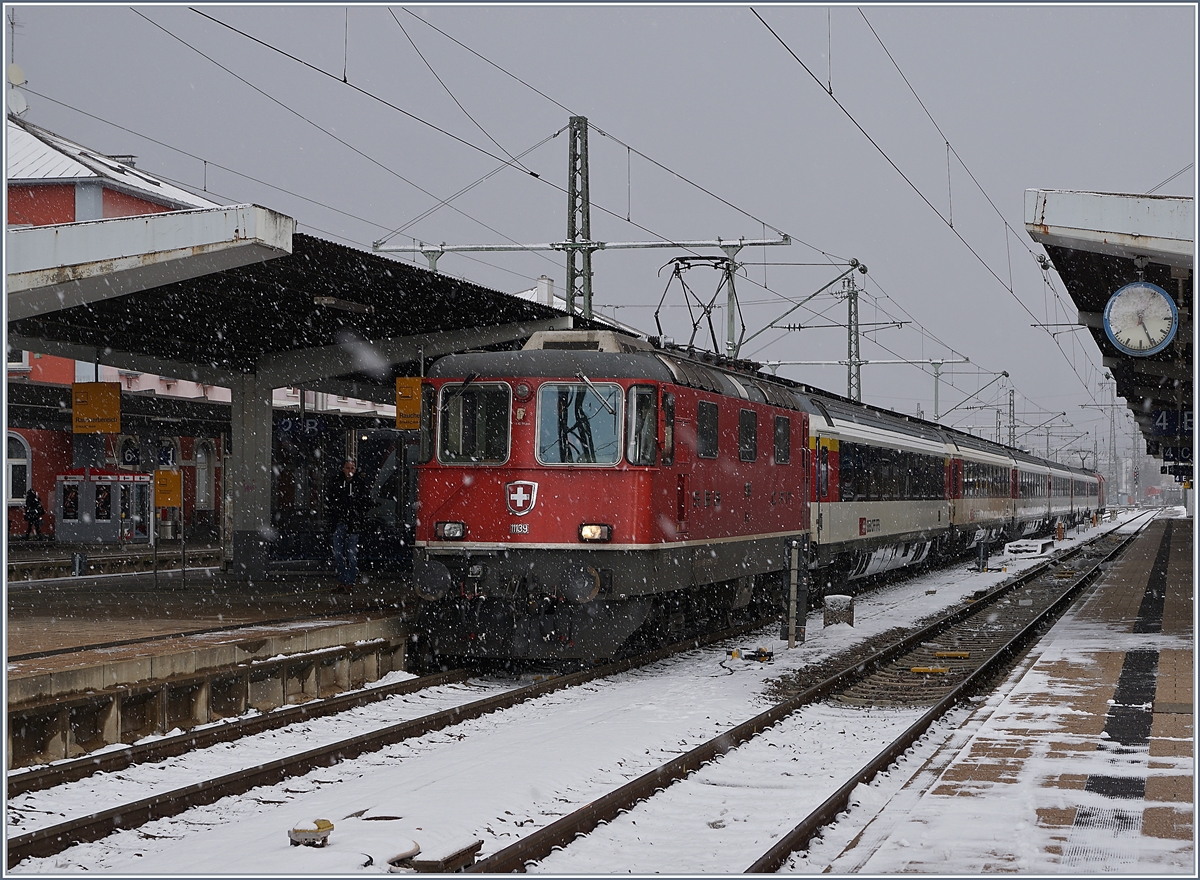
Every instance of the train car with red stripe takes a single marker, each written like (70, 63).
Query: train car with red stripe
(590, 488)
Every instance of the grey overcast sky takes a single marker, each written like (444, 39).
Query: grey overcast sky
(746, 141)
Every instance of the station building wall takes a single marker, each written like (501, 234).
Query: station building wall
(46, 454)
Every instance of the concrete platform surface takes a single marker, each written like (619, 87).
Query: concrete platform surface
(1085, 761)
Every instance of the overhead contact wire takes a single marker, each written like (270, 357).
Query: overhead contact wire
(323, 130)
(920, 194)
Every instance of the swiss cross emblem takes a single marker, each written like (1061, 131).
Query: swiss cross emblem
(520, 496)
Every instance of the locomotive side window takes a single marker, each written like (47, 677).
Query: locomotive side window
(642, 425)
(474, 424)
(579, 423)
(706, 429)
(668, 444)
(783, 440)
(747, 435)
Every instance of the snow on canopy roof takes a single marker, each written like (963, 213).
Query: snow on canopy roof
(35, 154)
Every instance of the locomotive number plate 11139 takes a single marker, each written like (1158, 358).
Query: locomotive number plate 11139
(518, 529)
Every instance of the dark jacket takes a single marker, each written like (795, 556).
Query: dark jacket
(348, 501)
(33, 508)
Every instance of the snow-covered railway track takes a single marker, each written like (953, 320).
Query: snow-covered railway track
(51, 839)
(502, 775)
(62, 772)
(997, 626)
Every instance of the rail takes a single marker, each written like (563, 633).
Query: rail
(54, 839)
(606, 808)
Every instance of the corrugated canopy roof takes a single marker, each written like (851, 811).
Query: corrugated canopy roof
(325, 310)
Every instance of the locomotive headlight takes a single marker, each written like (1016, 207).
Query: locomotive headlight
(595, 532)
(450, 531)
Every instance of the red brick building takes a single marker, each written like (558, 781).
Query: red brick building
(51, 180)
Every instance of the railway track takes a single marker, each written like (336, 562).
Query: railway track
(50, 840)
(915, 671)
(53, 839)
(62, 772)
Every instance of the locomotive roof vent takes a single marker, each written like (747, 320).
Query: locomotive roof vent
(585, 340)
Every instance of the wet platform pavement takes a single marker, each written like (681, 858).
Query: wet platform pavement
(1086, 763)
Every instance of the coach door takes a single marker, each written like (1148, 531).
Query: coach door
(821, 480)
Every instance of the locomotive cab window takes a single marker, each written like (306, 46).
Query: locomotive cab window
(642, 428)
(474, 424)
(579, 423)
(706, 429)
(747, 435)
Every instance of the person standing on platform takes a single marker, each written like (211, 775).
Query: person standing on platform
(33, 514)
(347, 505)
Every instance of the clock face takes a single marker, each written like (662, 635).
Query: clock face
(1141, 319)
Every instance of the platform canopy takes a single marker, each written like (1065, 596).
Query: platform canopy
(325, 316)
(1099, 242)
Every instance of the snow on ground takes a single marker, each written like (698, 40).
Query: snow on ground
(502, 776)
(991, 824)
(729, 812)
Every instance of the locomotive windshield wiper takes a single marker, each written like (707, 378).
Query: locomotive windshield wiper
(596, 391)
(471, 377)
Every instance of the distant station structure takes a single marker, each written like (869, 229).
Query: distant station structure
(221, 296)
(1128, 264)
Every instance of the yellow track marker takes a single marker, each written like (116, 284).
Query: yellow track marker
(953, 655)
(930, 669)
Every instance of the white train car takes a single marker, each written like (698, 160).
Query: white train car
(879, 489)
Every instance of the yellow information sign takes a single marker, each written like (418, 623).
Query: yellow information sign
(408, 403)
(168, 488)
(96, 407)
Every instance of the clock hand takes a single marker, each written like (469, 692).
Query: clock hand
(1145, 328)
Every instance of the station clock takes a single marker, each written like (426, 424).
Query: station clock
(1141, 319)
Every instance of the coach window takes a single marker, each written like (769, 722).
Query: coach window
(747, 435)
(849, 464)
(642, 425)
(706, 429)
(783, 440)
(579, 423)
(668, 444)
(474, 424)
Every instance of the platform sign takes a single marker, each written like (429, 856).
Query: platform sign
(1172, 423)
(168, 488)
(408, 403)
(1181, 454)
(96, 407)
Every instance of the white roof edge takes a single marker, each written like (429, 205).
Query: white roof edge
(59, 266)
(1161, 228)
(37, 155)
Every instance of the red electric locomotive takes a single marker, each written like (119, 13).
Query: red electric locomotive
(591, 487)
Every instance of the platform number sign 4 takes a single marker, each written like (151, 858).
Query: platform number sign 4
(1172, 423)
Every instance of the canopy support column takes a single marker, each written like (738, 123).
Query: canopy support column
(250, 479)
